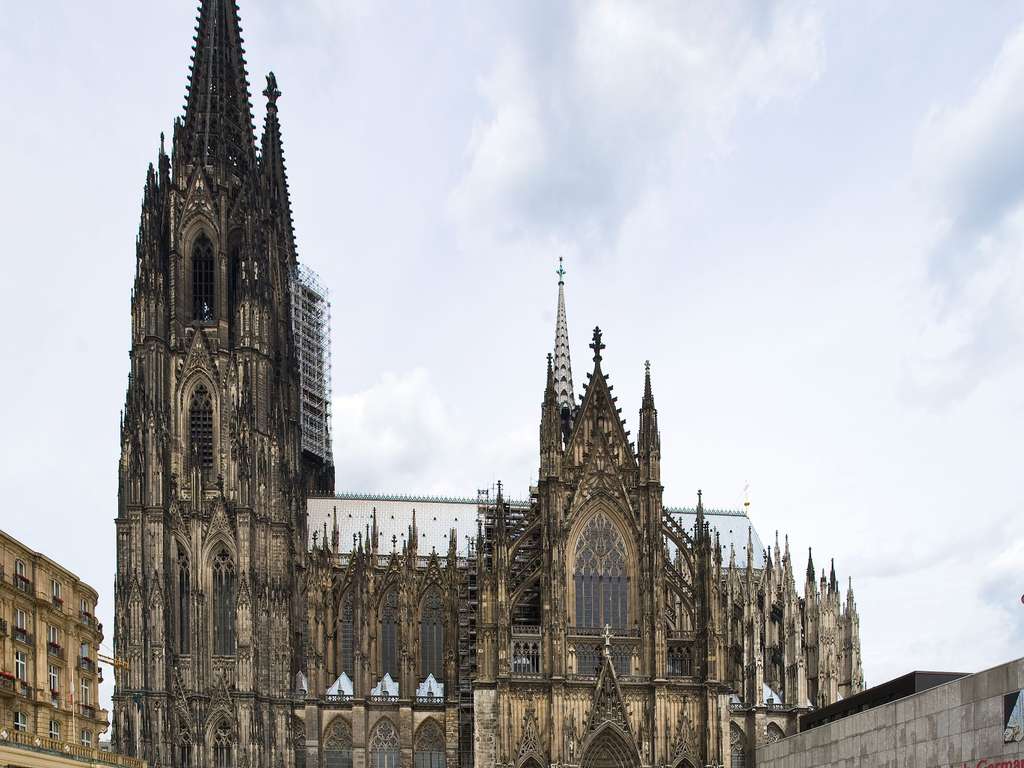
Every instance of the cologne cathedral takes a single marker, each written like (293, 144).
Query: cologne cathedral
(265, 620)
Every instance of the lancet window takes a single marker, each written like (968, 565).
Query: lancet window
(432, 636)
(202, 280)
(183, 607)
(389, 634)
(347, 634)
(200, 428)
(223, 604)
(600, 577)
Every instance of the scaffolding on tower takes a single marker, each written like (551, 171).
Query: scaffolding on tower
(311, 328)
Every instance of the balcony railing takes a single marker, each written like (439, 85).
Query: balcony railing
(23, 584)
(55, 649)
(430, 701)
(24, 689)
(22, 635)
(381, 698)
(338, 698)
(6, 686)
(57, 603)
(87, 710)
(34, 744)
(86, 664)
(88, 619)
(528, 630)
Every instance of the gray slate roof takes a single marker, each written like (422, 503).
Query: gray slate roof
(437, 515)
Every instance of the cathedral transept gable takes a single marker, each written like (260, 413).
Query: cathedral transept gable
(597, 416)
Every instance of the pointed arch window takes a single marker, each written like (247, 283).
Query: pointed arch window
(222, 746)
(384, 746)
(432, 636)
(184, 602)
(202, 280)
(338, 746)
(200, 428)
(223, 604)
(428, 751)
(184, 746)
(600, 577)
(739, 758)
(389, 634)
(347, 641)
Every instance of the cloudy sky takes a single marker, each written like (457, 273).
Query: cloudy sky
(809, 217)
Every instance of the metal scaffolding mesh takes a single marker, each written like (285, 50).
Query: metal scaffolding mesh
(311, 327)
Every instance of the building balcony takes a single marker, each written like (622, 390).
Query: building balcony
(57, 603)
(86, 664)
(22, 583)
(382, 698)
(24, 689)
(6, 685)
(22, 635)
(55, 649)
(3, 627)
(87, 710)
(88, 619)
(36, 747)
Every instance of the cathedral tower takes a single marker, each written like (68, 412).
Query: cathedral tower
(211, 516)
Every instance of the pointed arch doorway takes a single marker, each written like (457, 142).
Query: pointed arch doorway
(608, 749)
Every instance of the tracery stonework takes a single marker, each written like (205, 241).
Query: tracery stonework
(586, 625)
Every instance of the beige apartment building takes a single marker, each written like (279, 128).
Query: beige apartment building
(49, 643)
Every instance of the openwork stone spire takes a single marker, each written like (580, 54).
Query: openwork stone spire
(562, 364)
(218, 115)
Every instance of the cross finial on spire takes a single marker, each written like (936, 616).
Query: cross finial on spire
(607, 639)
(561, 271)
(597, 345)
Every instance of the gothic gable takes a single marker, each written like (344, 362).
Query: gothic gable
(608, 707)
(599, 417)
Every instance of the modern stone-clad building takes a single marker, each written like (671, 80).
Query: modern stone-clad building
(976, 721)
(49, 646)
(588, 624)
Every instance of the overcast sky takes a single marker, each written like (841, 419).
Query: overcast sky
(809, 217)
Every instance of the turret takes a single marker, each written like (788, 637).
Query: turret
(550, 428)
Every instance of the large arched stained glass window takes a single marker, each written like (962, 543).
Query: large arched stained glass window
(432, 636)
(202, 279)
(338, 746)
(428, 751)
(223, 604)
(600, 579)
(389, 634)
(347, 629)
(384, 746)
(200, 428)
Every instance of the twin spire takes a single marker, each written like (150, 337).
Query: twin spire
(218, 126)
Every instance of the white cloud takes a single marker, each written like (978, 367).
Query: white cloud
(970, 162)
(583, 116)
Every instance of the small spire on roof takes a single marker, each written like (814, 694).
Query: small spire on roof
(597, 345)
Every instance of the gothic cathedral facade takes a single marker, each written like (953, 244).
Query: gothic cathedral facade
(589, 625)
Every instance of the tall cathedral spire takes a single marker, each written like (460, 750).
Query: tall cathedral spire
(218, 126)
(562, 364)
